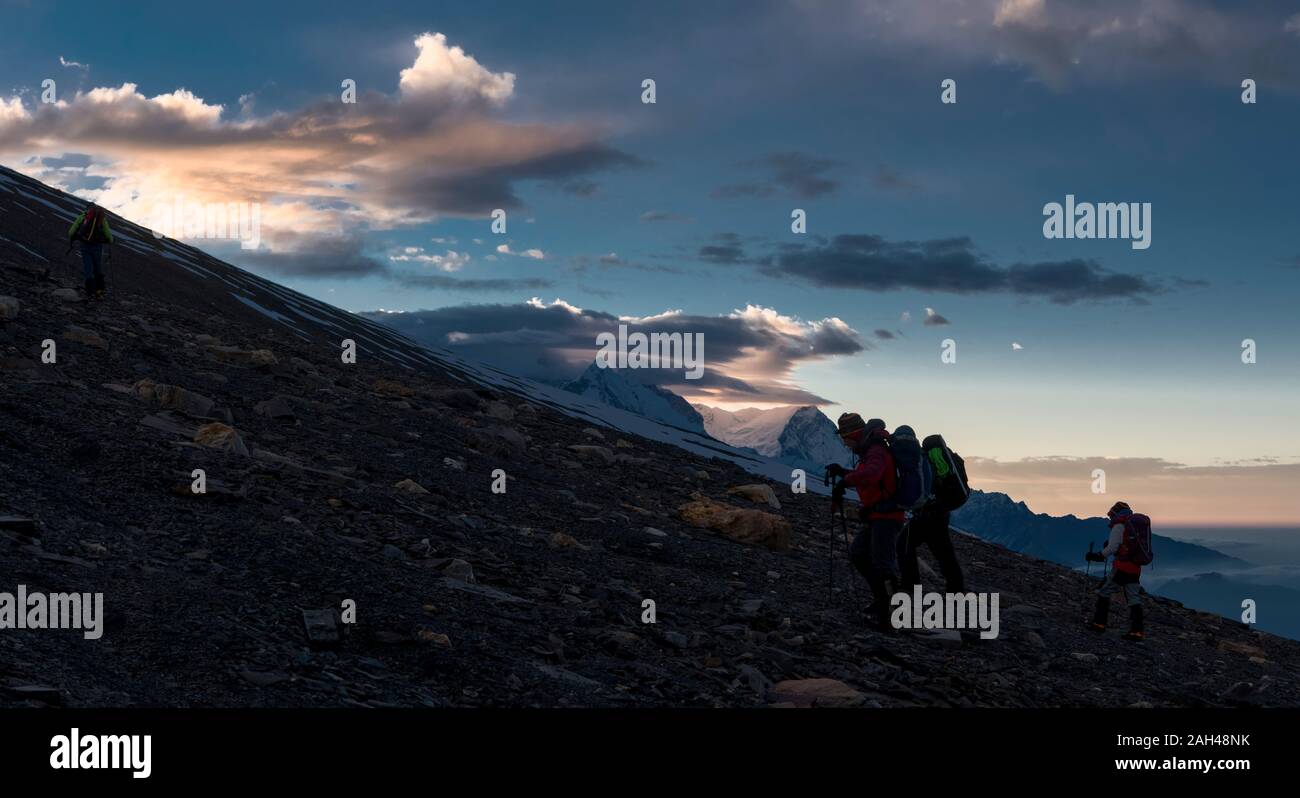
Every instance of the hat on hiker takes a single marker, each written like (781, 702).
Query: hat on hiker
(852, 423)
(1119, 510)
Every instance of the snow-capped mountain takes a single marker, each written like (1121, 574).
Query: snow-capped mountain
(615, 389)
(799, 436)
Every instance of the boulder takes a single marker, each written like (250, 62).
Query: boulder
(392, 388)
(815, 693)
(9, 308)
(559, 540)
(741, 525)
(220, 436)
(83, 336)
(243, 357)
(277, 407)
(66, 294)
(500, 411)
(410, 486)
(173, 397)
(1240, 648)
(460, 571)
(758, 493)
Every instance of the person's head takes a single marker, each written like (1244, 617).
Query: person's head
(1119, 511)
(853, 430)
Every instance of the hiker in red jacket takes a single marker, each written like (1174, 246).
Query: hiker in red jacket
(1130, 545)
(874, 548)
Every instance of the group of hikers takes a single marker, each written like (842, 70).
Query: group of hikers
(908, 490)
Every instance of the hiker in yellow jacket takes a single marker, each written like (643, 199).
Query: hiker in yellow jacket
(91, 230)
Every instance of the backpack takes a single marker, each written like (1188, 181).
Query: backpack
(952, 489)
(914, 477)
(1136, 547)
(88, 224)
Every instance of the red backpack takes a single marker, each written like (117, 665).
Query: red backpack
(1136, 547)
(89, 223)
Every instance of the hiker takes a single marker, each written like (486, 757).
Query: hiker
(91, 230)
(929, 524)
(874, 549)
(1130, 544)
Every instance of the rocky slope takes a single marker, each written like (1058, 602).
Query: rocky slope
(373, 482)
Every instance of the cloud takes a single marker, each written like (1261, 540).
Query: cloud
(72, 64)
(440, 146)
(663, 216)
(934, 319)
(316, 257)
(1100, 41)
(884, 335)
(726, 250)
(949, 265)
(445, 75)
(534, 254)
(750, 354)
(792, 174)
(1015, 347)
(442, 282)
(450, 261)
(887, 179)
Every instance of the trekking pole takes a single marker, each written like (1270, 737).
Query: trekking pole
(1088, 572)
(853, 583)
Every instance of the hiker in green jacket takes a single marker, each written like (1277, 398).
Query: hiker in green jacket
(91, 230)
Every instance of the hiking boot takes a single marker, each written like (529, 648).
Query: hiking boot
(90, 287)
(99, 286)
(1099, 616)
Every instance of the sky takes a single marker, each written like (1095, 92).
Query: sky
(925, 219)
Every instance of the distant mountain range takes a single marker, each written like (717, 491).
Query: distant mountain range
(997, 518)
(799, 436)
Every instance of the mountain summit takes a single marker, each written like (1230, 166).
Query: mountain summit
(616, 389)
(800, 436)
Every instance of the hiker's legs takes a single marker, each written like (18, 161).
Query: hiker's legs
(909, 540)
(940, 541)
(92, 262)
(1133, 598)
(860, 551)
(1101, 613)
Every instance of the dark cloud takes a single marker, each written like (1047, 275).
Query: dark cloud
(884, 335)
(663, 216)
(317, 257)
(935, 319)
(949, 265)
(749, 354)
(444, 282)
(887, 179)
(792, 174)
(578, 187)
